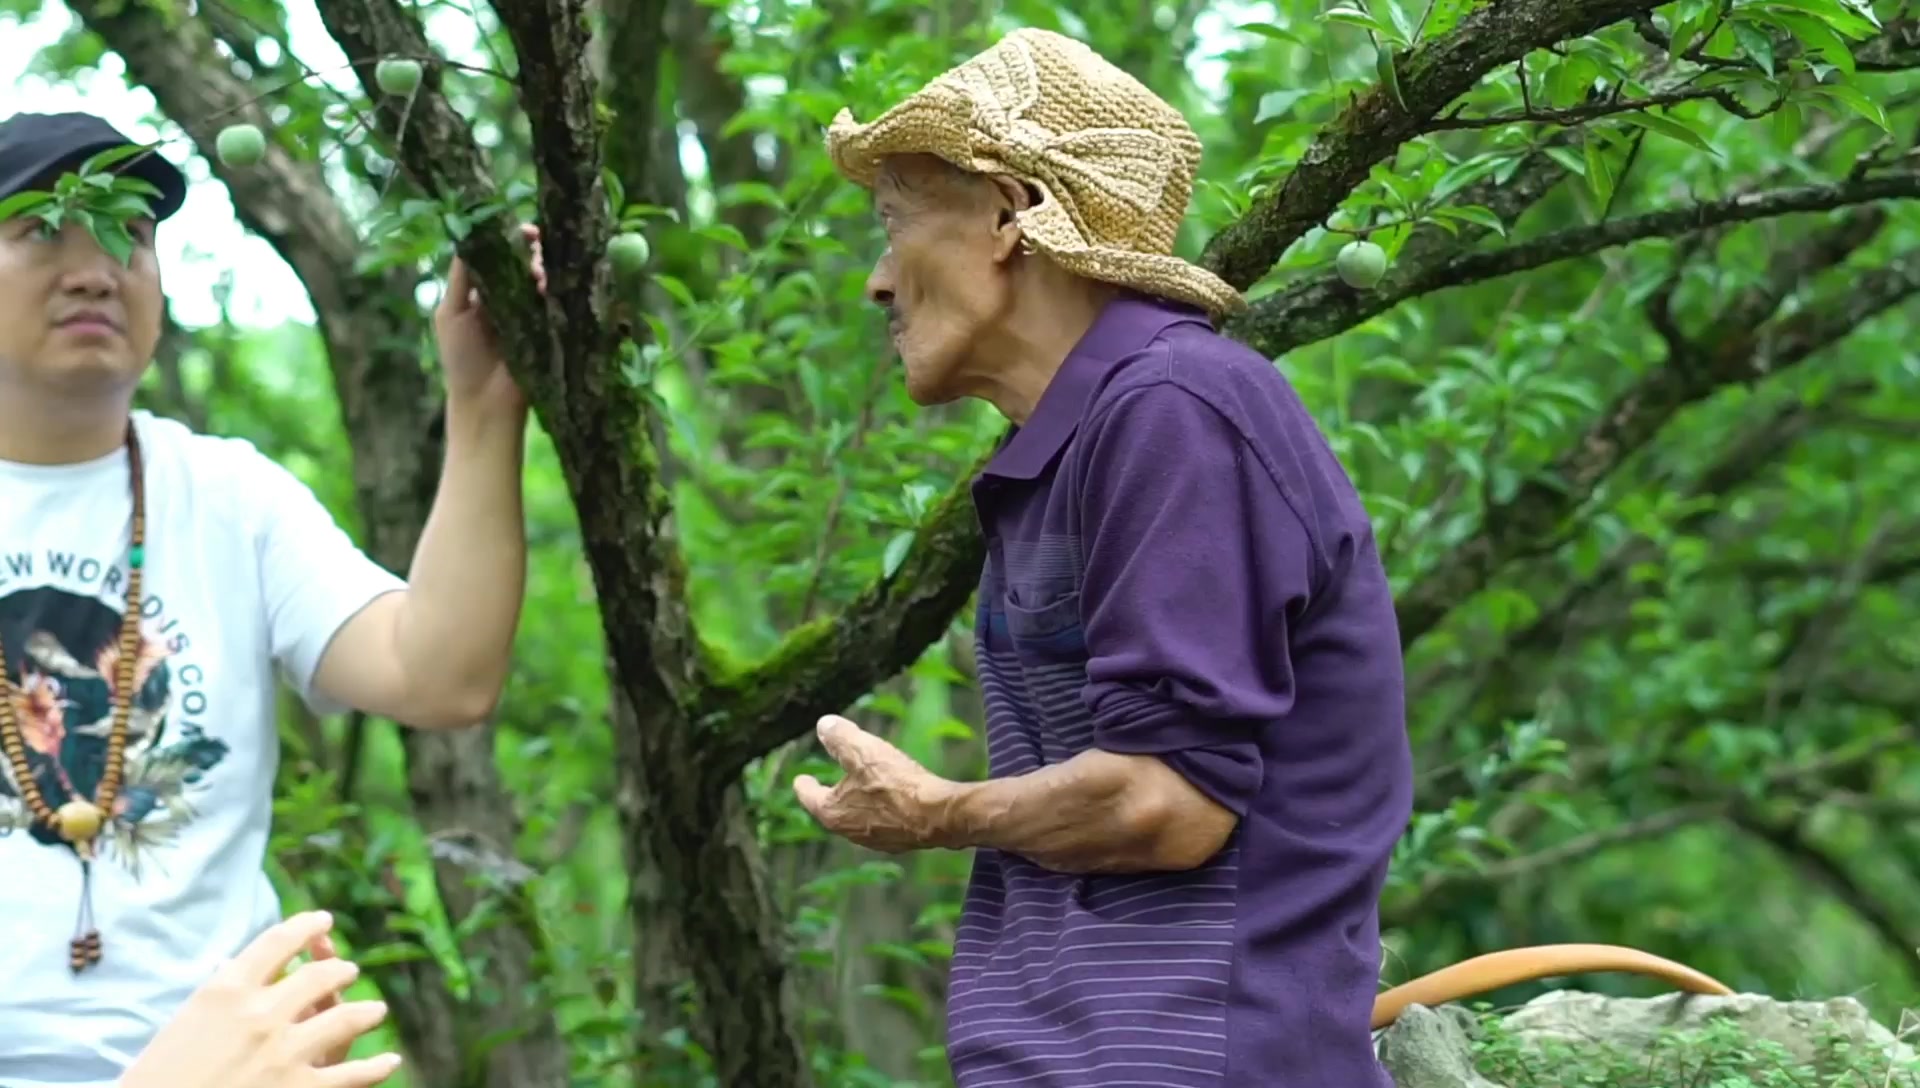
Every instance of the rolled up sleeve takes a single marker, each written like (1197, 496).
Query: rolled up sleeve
(1195, 562)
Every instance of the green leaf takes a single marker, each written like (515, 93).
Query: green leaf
(99, 163)
(1787, 124)
(726, 234)
(896, 553)
(1356, 17)
(1392, 367)
(1820, 38)
(677, 288)
(1275, 104)
(18, 203)
(1472, 213)
(1855, 22)
(1446, 14)
(127, 183)
(1672, 130)
(126, 207)
(1693, 20)
(1268, 30)
(916, 497)
(113, 238)
(1755, 43)
(616, 192)
(1403, 29)
(1858, 102)
(1570, 162)
(1390, 79)
(1599, 173)
(750, 192)
(1568, 81)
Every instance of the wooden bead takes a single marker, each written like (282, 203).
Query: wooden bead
(80, 821)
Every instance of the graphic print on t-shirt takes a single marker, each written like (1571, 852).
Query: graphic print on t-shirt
(61, 648)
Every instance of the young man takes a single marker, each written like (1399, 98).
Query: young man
(152, 581)
(1187, 646)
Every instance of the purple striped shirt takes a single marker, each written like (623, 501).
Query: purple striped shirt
(1178, 565)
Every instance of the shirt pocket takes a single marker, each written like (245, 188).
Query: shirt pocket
(1043, 624)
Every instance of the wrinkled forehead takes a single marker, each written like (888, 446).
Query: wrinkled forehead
(918, 179)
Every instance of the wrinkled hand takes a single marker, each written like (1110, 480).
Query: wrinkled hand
(886, 802)
(247, 1027)
(470, 353)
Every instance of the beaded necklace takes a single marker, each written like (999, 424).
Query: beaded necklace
(79, 820)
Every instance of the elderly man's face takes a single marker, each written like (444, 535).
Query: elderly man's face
(74, 320)
(945, 279)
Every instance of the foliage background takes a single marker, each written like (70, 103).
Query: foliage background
(1650, 507)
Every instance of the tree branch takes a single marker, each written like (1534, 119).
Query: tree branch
(1574, 115)
(634, 39)
(1895, 49)
(823, 667)
(1787, 833)
(1571, 612)
(564, 348)
(691, 824)
(1444, 886)
(1530, 521)
(1370, 129)
(1325, 306)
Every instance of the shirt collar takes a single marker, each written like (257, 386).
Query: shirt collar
(1124, 326)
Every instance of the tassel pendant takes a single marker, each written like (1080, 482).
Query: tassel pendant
(84, 950)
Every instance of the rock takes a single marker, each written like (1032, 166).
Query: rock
(1800, 1027)
(1647, 1042)
(1432, 1048)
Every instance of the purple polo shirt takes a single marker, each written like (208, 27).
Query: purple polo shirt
(1179, 566)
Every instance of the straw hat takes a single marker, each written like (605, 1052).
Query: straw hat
(1113, 163)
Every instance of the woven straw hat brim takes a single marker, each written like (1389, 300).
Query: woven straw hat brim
(1114, 164)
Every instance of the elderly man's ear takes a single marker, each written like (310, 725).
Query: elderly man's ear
(1010, 197)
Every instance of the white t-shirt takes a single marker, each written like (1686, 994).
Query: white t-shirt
(245, 571)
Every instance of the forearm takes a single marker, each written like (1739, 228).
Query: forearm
(1096, 813)
(455, 629)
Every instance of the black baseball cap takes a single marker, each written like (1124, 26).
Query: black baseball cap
(33, 145)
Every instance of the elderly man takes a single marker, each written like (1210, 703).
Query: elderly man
(1187, 646)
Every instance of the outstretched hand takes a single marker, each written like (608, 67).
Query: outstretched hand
(250, 1027)
(322, 948)
(886, 802)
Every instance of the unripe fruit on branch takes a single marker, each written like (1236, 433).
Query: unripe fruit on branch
(240, 145)
(629, 252)
(397, 77)
(1361, 263)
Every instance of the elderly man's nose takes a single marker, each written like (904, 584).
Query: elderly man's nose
(880, 282)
